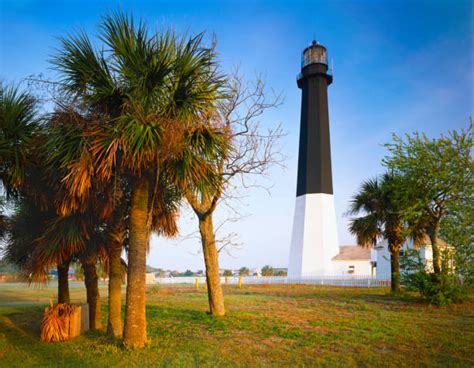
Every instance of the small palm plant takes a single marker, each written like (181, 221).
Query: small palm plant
(55, 325)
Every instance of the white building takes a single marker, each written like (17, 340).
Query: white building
(354, 260)
(383, 255)
(255, 272)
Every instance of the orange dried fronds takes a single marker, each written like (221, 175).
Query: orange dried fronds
(55, 325)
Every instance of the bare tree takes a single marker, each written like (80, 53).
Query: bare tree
(252, 150)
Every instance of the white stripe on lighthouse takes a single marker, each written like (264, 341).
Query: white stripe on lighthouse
(314, 241)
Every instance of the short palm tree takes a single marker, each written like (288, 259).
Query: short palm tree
(142, 97)
(382, 218)
(22, 177)
(40, 239)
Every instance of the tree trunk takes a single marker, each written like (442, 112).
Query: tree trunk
(211, 260)
(134, 333)
(433, 234)
(63, 283)
(395, 269)
(92, 290)
(114, 325)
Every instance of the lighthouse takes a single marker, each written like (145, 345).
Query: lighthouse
(314, 239)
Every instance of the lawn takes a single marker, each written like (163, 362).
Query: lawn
(277, 325)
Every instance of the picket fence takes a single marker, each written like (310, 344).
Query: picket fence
(337, 280)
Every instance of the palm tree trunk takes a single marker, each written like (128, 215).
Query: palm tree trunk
(63, 283)
(433, 234)
(211, 260)
(114, 325)
(92, 290)
(395, 269)
(134, 333)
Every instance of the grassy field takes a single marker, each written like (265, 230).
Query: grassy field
(291, 325)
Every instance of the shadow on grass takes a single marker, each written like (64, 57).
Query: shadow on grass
(21, 331)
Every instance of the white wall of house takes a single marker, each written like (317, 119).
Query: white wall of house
(352, 267)
(383, 257)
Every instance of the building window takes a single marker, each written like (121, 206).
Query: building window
(351, 269)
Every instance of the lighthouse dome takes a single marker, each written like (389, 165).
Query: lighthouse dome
(314, 54)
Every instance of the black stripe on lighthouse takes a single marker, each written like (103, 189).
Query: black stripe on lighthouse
(314, 159)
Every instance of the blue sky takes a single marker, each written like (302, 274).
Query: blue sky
(399, 66)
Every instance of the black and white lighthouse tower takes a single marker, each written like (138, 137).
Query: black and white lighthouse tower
(314, 240)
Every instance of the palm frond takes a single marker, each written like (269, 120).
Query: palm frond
(19, 123)
(367, 198)
(366, 229)
(85, 71)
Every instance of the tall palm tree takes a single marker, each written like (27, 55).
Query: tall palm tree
(143, 95)
(380, 203)
(66, 128)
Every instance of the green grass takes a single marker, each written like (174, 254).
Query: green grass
(291, 325)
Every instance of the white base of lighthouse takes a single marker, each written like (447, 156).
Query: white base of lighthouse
(314, 241)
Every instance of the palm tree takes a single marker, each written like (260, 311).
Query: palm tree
(142, 96)
(382, 218)
(19, 123)
(39, 238)
(64, 140)
(21, 138)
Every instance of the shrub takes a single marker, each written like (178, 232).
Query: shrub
(244, 271)
(442, 289)
(267, 271)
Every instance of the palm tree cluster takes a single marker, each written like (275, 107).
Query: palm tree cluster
(134, 131)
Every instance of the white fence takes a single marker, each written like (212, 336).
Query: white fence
(359, 280)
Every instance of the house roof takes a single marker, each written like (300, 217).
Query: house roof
(352, 253)
(427, 241)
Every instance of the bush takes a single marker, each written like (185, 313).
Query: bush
(267, 271)
(244, 271)
(442, 289)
